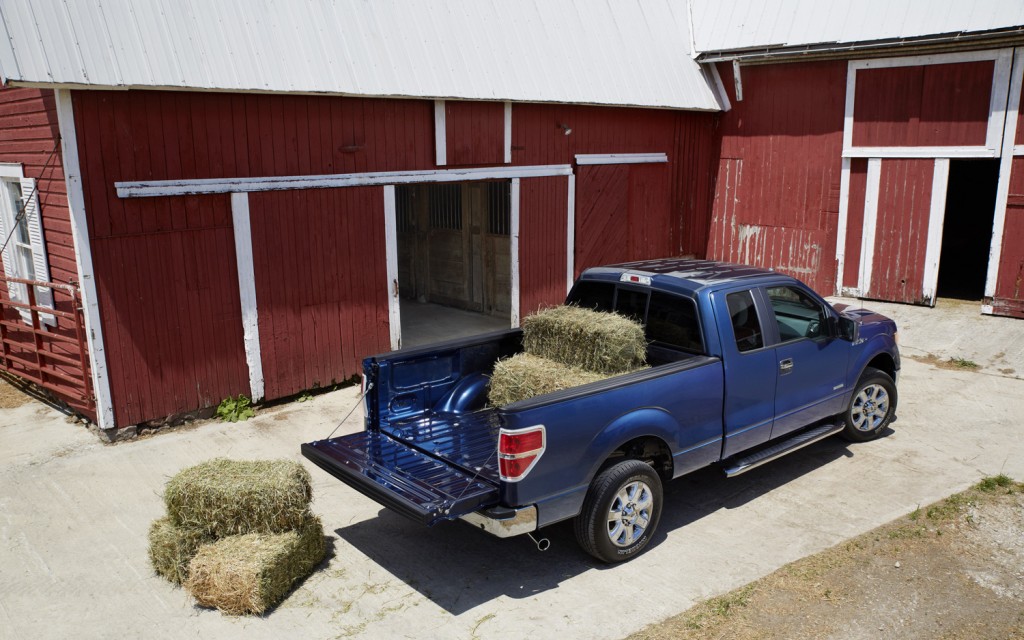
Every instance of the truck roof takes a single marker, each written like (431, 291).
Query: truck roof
(682, 274)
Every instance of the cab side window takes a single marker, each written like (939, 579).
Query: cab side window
(798, 314)
(745, 324)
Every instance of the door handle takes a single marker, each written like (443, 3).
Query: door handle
(785, 366)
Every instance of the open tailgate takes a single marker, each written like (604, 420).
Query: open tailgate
(402, 478)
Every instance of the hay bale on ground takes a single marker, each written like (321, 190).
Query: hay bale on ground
(171, 548)
(525, 376)
(252, 573)
(585, 339)
(229, 497)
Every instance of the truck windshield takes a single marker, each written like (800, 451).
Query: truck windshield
(669, 320)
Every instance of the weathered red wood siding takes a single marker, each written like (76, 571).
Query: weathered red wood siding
(1009, 294)
(29, 135)
(901, 231)
(930, 105)
(538, 137)
(855, 222)
(321, 283)
(777, 190)
(543, 225)
(621, 214)
(602, 192)
(165, 267)
(474, 132)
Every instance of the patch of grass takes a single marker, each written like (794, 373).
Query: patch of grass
(949, 508)
(963, 363)
(900, 533)
(722, 607)
(993, 483)
(305, 396)
(235, 409)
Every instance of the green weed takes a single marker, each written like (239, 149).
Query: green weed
(235, 409)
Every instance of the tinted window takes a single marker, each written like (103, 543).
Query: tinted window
(745, 324)
(672, 320)
(632, 304)
(798, 314)
(592, 295)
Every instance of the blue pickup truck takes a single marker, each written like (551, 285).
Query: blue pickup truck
(746, 366)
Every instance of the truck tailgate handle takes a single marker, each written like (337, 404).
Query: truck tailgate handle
(785, 366)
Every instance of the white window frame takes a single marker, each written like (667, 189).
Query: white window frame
(36, 245)
(996, 112)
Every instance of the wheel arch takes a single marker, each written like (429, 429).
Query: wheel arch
(883, 362)
(644, 434)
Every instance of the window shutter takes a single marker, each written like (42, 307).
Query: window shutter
(15, 290)
(40, 263)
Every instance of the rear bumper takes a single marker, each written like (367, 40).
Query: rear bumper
(502, 522)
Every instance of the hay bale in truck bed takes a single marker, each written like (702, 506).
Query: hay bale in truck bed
(227, 497)
(171, 548)
(252, 573)
(594, 341)
(524, 376)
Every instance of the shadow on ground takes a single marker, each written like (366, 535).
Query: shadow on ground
(459, 568)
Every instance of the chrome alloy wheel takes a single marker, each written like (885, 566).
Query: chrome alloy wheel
(870, 408)
(630, 513)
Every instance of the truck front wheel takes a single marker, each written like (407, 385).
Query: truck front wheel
(872, 406)
(621, 512)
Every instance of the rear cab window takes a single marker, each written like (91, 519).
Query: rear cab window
(670, 321)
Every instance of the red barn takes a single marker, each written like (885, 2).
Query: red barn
(872, 147)
(219, 200)
(258, 199)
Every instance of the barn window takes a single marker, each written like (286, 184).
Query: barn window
(24, 255)
(500, 209)
(446, 207)
(406, 216)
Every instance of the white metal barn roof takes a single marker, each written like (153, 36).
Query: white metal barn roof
(616, 52)
(731, 25)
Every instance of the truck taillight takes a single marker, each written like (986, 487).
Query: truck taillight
(519, 451)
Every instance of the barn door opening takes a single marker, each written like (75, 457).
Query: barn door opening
(454, 260)
(967, 228)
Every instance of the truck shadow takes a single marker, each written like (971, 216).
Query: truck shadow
(458, 568)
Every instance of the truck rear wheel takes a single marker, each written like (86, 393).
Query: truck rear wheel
(872, 406)
(621, 512)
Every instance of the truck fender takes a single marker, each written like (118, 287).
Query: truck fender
(641, 423)
(876, 346)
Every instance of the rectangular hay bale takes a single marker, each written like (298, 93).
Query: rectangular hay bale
(524, 376)
(248, 574)
(596, 341)
(171, 548)
(230, 497)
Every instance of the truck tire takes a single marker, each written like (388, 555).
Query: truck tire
(872, 406)
(621, 512)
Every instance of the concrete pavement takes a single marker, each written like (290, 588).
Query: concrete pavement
(74, 515)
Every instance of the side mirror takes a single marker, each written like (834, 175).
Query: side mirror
(849, 330)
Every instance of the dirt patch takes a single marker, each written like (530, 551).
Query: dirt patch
(11, 397)
(956, 364)
(952, 570)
